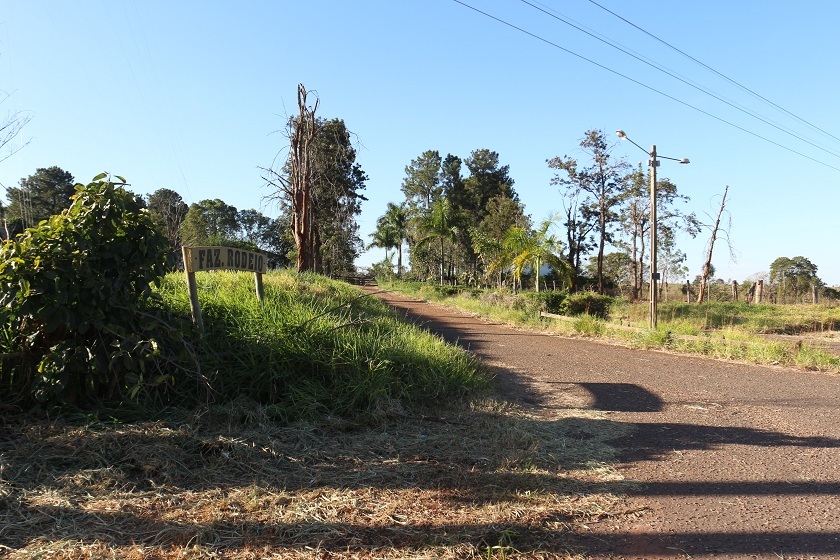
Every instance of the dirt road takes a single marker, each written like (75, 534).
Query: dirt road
(735, 461)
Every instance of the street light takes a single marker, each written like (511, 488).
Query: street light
(654, 274)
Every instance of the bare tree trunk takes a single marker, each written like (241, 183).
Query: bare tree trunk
(302, 174)
(734, 290)
(759, 291)
(706, 267)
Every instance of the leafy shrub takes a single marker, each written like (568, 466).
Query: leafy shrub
(74, 301)
(589, 303)
(545, 301)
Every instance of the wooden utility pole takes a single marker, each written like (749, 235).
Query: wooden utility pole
(654, 275)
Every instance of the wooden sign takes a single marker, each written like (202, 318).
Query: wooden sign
(224, 258)
(200, 259)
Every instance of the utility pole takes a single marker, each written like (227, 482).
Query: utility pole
(654, 274)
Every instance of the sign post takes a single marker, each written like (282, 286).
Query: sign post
(200, 259)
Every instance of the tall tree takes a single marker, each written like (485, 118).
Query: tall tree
(795, 275)
(337, 198)
(39, 196)
(210, 222)
(319, 189)
(422, 183)
(635, 221)
(603, 183)
(439, 224)
(168, 211)
(392, 227)
(488, 179)
(293, 184)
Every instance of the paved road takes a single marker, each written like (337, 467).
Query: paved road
(736, 461)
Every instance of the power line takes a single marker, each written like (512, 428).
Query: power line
(706, 66)
(683, 80)
(671, 97)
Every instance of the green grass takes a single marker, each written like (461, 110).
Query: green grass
(315, 347)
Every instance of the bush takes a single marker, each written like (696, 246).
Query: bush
(587, 303)
(74, 301)
(545, 301)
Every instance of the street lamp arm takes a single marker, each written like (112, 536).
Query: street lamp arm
(623, 136)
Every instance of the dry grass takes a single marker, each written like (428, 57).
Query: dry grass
(487, 481)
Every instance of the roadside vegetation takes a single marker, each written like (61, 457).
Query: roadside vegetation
(788, 335)
(314, 424)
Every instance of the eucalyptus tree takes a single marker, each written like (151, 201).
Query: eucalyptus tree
(602, 184)
(635, 222)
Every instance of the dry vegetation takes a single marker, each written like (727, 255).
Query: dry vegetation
(485, 481)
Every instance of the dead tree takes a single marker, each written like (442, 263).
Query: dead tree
(295, 183)
(704, 279)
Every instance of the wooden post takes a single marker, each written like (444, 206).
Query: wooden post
(815, 293)
(734, 290)
(193, 289)
(259, 285)
(759, 291)
(687, 292)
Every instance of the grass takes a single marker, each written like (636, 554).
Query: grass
(316, 347)
(729, 331)
(337, 432)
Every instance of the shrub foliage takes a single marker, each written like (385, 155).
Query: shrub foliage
(77, 325)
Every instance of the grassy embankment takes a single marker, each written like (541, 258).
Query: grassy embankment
(732, 331)
(339, 432)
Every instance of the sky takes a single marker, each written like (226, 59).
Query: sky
(193, 96)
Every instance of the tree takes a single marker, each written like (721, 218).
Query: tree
(337, 198)
(168, 211)
(392, 231)
(603, 184)
(503, 213)
(10, 128)
(618, 269)
(535, 248)
(43, 194)
(469, 197)
(715, 230)
(210, 222)
(439, 224)
(422, 183)
(796, 275)
(635, 222)
(319, 190)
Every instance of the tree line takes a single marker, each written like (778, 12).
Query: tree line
(462, 221)
(329, 243)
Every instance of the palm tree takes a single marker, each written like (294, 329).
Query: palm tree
(396, 219)
(533, 249)
(439, 224)
(385, 237)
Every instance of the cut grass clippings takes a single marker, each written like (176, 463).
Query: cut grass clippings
(484, 481)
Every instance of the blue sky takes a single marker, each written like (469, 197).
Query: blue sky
(191, 96)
